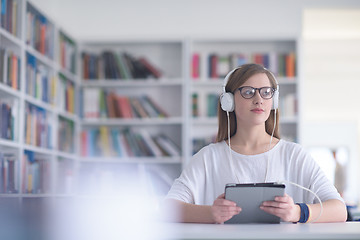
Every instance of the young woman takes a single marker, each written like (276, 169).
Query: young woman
(257, 155)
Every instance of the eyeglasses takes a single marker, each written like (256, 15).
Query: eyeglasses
(248, 92)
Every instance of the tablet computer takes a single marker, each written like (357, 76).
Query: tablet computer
(249, 197)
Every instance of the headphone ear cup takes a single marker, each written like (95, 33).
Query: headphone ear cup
(227, 102)
(275, 100)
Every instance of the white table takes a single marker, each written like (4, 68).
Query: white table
(187, 231)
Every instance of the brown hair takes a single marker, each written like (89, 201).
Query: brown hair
(236, 79)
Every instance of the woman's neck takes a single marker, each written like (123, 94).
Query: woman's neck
(251, 141)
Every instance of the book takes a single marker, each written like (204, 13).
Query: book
(195, 105)
(37, 173)
(138, 108)
(195, 66)
(167, 145)
(66, 135)
(290, 64)
(160, 111)
(117, 66)
(223, 66)
(155, 72)
(91, 107)
(8, 173)
(212, 104)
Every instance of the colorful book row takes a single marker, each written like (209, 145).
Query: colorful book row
(66, 135)
(211, 105)
(98, 103)
(38, 80)
(67, 53)
(36, 173)
(9, 10)
(39, 32)
(110, 65)
(281, 64)
(8, 115)
(126, 142)
(9, 68)
(65, 93)
(8, 173)
(37, 127)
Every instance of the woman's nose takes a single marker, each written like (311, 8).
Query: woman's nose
(257, 98)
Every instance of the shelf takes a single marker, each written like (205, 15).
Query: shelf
(216, 82)
(68, 115)
(39, 103)
(10, 37)
(204, 120)
(40, 150)
(10, 195)
(69, 75)
(9, 143)
(66, 155)
(132, 160)
(132, 121)
(36, 195)
(131, 83)
(43, 59)
(9, 90)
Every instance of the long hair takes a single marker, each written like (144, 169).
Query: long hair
(238, 78)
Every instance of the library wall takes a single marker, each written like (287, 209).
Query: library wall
(183, 18)
(331, 52)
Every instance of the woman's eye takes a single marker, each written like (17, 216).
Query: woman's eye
(249, 92)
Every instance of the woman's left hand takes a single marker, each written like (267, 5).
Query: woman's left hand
(283, 207)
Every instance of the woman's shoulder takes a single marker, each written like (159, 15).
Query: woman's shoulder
(212, 148)
(290, 148)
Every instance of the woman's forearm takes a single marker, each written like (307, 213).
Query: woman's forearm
(333, 211)
(178, 211)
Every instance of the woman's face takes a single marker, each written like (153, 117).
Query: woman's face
(255, 110)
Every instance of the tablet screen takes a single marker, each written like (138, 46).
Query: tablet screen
(249, 197)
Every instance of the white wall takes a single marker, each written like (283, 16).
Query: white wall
(331, 73)
(114, 19)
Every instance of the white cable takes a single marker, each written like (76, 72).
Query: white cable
(304, 188)
(231, 161)
(272, 134)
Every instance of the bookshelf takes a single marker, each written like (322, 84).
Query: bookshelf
(133, 111)
(39, 117)
(211, 60)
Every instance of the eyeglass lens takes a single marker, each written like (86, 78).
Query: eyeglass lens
(265, 92)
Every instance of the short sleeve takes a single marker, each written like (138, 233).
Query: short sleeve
(191, 181)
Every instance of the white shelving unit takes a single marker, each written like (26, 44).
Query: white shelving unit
(47, 54)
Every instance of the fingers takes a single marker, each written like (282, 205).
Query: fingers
(223, 209)
(224, 213)
(282, 206)
(221, 195)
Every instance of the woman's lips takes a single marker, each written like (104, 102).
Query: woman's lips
(257, 110)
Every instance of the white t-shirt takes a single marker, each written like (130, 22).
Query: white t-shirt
(204, 178)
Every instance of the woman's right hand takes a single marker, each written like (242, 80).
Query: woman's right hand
(222, 209)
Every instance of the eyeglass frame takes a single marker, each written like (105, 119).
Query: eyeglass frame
(259, 90)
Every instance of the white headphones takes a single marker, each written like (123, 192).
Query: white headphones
(227, 98)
